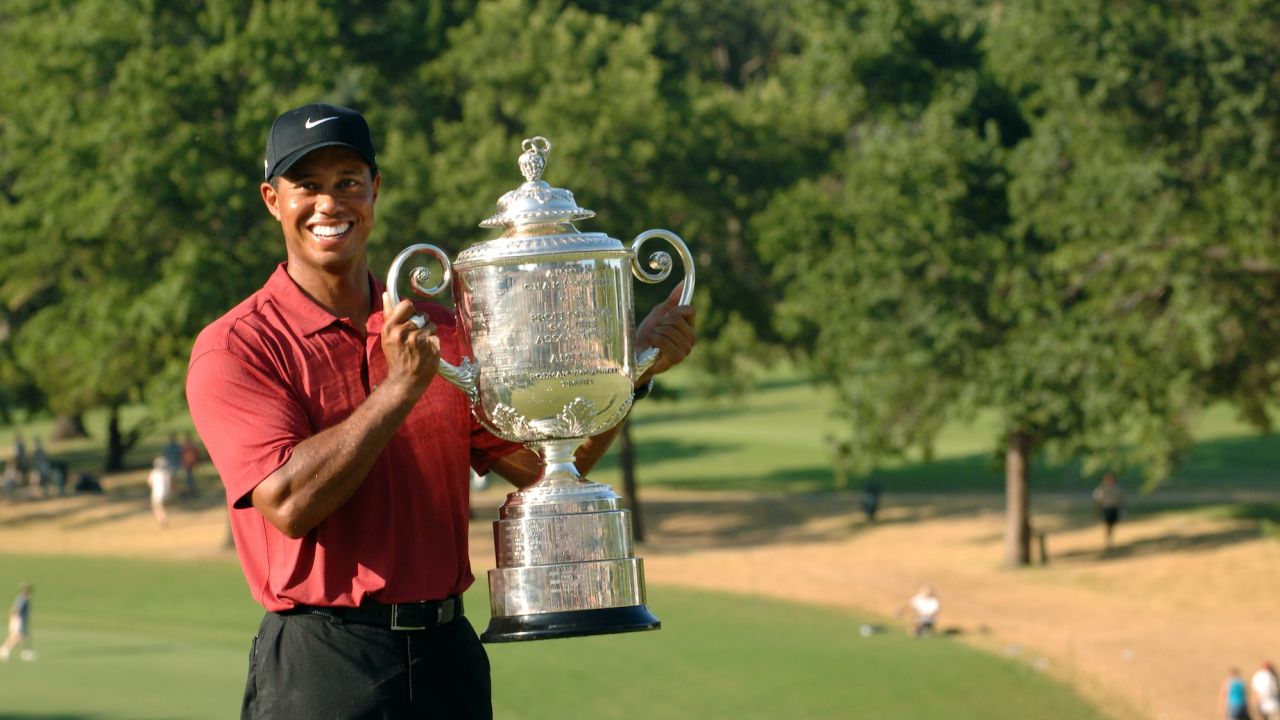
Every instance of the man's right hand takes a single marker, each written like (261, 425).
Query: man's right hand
(413, 353)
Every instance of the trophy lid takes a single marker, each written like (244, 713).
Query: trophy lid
(535, 204)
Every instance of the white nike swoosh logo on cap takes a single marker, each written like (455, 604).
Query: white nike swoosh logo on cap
(322, 120)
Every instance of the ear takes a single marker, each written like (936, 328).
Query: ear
(271, 199)
(377, 183)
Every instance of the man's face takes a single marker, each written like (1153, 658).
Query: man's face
(325, 206)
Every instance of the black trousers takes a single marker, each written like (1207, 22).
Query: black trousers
(310, 666)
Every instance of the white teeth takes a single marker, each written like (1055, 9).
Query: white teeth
(330, 230)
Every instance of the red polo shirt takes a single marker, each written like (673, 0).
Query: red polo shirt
(278, 369)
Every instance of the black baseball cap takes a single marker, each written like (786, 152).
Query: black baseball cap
(310, 127)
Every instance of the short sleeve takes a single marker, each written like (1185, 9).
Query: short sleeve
(487, 448)
(246, 416)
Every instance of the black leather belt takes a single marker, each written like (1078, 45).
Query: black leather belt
(402, 616)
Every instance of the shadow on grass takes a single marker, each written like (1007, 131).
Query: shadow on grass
(124, 502)
(1233, 464)
(1167, 544)
(680, 526)
(37, 511)
(665, 414)
(746, 521)
(1252, 513)
(652, 453)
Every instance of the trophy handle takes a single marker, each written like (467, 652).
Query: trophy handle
(463, 375)
(661, 264)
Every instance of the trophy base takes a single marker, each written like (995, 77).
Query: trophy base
(570, 623)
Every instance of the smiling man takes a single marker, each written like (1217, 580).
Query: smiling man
(347, 469)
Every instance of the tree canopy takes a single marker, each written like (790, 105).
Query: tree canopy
(1041, 209)
(1060, 211)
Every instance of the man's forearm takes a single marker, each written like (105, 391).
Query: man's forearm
(327, 468)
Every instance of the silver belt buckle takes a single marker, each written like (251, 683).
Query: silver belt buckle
(395, 620)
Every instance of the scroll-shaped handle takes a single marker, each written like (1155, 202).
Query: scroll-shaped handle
(660, 262)
(463, 375)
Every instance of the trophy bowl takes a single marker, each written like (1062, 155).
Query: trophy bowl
(546, 320)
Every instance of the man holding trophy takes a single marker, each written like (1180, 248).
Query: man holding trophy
(346, 464)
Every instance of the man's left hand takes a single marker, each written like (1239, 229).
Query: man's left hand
(669, 327)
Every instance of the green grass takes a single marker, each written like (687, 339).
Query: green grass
(129, 639)
(142, 640)
(775, 439)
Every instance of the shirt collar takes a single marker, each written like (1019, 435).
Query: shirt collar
(304, 314)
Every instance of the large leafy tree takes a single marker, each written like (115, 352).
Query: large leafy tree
(1012, 223)
(130, 216)
(1154, 161)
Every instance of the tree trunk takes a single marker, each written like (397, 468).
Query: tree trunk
(627, 459)
(67, 426)
(1017, 491)
(120, 442)
(115, 442)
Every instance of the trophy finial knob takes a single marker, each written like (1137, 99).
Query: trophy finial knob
(535, 204)
(534, 159)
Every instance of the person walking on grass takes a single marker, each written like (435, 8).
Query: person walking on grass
(346, 462)
(871, 500)
(1233, 702)
(924, 606)
(160, 480)
(19, 627)
(40, 459)
(20, 455)
(172, 454)
(1108, 498)
(190, 458)
(1266, 692)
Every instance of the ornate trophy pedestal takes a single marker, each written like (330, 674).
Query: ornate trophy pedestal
(566, 566)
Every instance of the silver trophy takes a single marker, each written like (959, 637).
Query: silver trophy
(545, 318)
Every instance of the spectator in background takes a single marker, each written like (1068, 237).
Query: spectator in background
(44, 471)
(925, 607)
(1109, 499)
(20, 454)
(58, 470)
(11, 477)
(19, 626)
(173, 454)
(1266, 692)
(1232, 702)
(190, 458)
(161, 482)
(871, 500)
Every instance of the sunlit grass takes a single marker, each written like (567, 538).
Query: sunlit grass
(141, 640)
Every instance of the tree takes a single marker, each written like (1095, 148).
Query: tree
(1155, 156)
(130, 216)
(1002, 229)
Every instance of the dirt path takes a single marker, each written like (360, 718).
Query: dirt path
(1147, 631)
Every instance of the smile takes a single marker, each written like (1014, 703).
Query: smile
(329, 232)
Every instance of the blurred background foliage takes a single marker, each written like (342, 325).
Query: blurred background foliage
(1060, 211)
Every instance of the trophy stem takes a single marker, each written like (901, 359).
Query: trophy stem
(558, 470)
